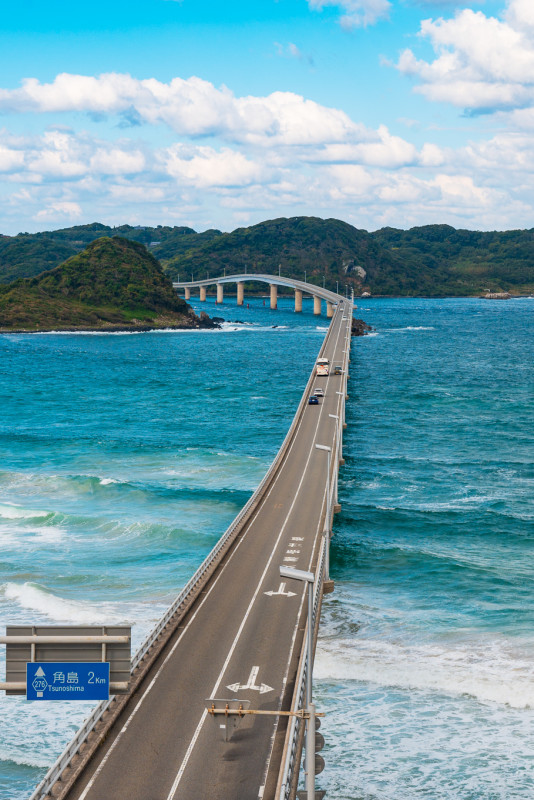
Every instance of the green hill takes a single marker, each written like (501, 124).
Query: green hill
(465, 262)
(29, 254)
(300, 246)
(432, 260)
(114, 283)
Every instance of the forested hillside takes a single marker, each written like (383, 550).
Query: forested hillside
(113, 283)
(432, 260)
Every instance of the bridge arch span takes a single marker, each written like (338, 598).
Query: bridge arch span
(300, 288)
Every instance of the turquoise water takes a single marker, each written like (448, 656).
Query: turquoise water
(124, 457)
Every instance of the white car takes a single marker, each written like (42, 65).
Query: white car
(319, 392)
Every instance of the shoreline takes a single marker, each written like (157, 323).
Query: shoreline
(114, 329)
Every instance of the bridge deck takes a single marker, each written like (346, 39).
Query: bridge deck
(165, 745)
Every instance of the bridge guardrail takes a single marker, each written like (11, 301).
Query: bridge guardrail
(56, 771)
(293, 741)
(290, 761)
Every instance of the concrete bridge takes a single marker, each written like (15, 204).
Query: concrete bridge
(239, 639)
(300, 288)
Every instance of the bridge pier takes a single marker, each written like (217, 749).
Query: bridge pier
(187, 293)
(240, 294)
(220, 293)
(316, 305)
(329, 309)
(298, 301)
(203, 294)
(274, 296)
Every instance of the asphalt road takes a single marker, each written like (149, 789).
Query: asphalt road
(237, 641)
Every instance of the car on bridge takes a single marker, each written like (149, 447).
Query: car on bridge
(318, 392)
(314, 400)
(338, 369)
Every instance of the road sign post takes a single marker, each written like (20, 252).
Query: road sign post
(70, 646)
(67, 680)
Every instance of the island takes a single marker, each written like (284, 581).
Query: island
(114, 284)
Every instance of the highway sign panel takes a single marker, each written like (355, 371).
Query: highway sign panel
(70, 680)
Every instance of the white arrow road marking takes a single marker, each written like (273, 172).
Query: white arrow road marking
(281, 590)
(251, 683)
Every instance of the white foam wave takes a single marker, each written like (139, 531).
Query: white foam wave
(87, 333)
(11, 511)
(490, 672)
(108, 481)
(36, 598)
(50, 534)
(22, 758)
(413, 328)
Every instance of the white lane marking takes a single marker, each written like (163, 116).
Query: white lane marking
(253, 600)
(171, 653)
(292, 559)
(281, 591)
(251, 684)
(212, 587)
(292, 646)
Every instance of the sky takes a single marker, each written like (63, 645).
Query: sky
(220, 115)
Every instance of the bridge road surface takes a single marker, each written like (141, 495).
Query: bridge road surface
(237, 641)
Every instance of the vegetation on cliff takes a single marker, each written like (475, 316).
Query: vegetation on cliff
(113, 283)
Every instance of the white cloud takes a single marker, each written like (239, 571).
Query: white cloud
(483, 63)
(291, 50)
(59, 210)
(356, 13)
(59, 157)
(192, 107)
(63, 155)
(127, 193)
(114, 161)
(10, 159)
(204, 167)
(288, 155)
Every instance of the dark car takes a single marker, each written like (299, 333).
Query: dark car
(313, 401)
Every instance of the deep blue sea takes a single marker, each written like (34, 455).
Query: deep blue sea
(126, 456)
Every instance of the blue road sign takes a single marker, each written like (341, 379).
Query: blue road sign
(67, 680)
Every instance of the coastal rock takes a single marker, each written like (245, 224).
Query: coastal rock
(360, 328)
(207, 322)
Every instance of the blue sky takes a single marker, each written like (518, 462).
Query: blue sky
(378, 112)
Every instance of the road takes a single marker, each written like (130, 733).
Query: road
(241, 639)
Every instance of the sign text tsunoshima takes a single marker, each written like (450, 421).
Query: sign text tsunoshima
(67, 680)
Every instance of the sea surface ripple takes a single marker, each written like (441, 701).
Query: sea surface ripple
(125, 457)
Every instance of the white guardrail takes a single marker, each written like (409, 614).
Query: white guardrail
(293, 735)
(291, 763)
(73, 748)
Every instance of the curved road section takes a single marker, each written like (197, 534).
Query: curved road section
(240, 639)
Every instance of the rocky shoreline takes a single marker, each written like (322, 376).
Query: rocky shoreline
(202, 322)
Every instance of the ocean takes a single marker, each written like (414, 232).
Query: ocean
(126, 456)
